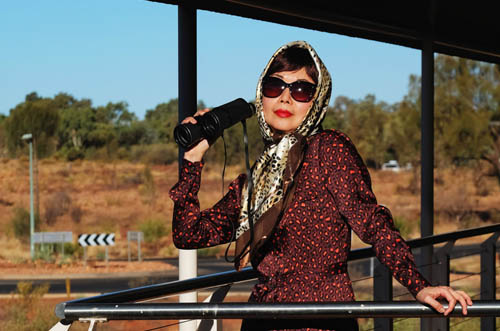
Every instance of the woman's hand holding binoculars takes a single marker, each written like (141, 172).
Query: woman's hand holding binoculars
(195, 154)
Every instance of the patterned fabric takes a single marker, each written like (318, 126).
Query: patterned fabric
(268, 170)
(305, 259)
(270, 166)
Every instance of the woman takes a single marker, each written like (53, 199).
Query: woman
(310, 188)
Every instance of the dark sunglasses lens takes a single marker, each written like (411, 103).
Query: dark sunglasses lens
(272, 87)
(302, 91)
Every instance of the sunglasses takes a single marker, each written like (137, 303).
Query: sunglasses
(300, 91)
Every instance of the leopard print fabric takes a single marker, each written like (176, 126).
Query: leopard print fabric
(269, 168)
(271, 191)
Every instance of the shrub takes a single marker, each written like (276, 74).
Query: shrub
(122, 153)
(20, 224)
(481, 185)
(169, 251)
(154, 154)
(455, 202)
(76, 214)
(153, 230)
(74, 154)
(97, 154)
(101, 255)
(73, 249)
(46, 252)
(148, 190)
(216, 251)
(28, 312)
(49, 252)
(65, 173)
(56, 206)
(135, 179)
(404, 226)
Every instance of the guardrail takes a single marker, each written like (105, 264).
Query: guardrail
(113, 304)
(232, 310)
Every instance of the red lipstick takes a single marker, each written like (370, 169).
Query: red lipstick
(283, 113)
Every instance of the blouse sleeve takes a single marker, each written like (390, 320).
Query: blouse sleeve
(350, 184)
(192, 228)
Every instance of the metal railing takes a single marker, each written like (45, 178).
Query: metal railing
(117, 305)
(231, 310)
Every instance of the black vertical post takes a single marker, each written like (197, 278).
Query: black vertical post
(187, 63)
(382, 291)
(427, 165)
(187, 107)
(488, 278)
(441, 276)
(427, 154)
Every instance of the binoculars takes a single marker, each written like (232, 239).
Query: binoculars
(212, 124)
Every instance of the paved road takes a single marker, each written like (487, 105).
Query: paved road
(125, 281)
(205, 266)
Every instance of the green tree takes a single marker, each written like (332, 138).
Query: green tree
(402, 131)
(335, 116)
(114, 113)
(110, 121)
(76, 125)
(161, 122)
(3, 137)
(103, 135)
(463, 109)
(133, 134)
(365, 122)
(77, 121)
(37, 116)
(493, 154)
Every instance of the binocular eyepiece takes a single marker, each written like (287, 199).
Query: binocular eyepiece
(211, 124)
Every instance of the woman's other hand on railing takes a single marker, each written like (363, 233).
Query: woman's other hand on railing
(429, 295)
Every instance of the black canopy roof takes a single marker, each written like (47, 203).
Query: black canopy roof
(460, 28)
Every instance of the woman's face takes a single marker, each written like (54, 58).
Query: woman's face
(283, 113)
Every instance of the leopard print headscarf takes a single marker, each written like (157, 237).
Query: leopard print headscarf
(274, 169)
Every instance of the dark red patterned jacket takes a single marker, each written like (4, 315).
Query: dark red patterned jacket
(305, 258)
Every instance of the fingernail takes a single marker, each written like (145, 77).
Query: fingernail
(441, 310)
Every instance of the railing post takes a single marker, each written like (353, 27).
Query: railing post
(488, 277)
(441, 276)
(382, 291)
(216, 297)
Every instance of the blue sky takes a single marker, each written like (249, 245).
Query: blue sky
(127, 51)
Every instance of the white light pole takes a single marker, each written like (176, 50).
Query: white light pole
(29, 137)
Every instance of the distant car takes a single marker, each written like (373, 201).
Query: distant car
(392, 165)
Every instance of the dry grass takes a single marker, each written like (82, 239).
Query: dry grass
(112, 197)
(109, 200)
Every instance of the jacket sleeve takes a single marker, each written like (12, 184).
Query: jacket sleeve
(350, 184)
(192, 228)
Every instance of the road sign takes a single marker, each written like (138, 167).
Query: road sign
(135, 235)
(52, 237)
(96, 239)
(138, 236)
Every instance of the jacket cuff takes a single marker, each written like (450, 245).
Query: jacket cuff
(418, 284)
(189, 180)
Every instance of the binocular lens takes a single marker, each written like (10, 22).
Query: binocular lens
(185, 134)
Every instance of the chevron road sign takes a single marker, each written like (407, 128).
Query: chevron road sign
(96, 239)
